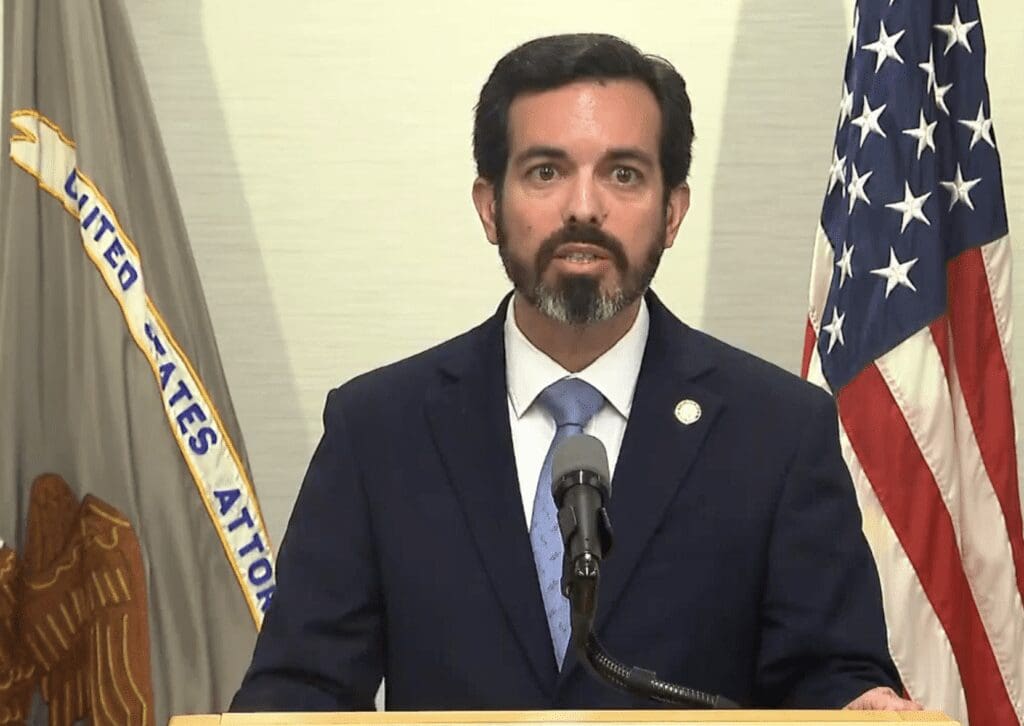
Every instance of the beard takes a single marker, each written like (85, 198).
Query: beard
(578, 299)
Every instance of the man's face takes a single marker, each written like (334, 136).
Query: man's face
(581, 221)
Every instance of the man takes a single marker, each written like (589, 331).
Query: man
(420, 546)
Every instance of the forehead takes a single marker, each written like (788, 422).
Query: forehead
(586, 114)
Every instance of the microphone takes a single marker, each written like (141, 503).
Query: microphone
(581, 488)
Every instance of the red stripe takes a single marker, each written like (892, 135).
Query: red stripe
(985, 382)
(810, 340)
(910, 498)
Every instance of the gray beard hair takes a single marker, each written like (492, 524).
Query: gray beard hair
(554, 304)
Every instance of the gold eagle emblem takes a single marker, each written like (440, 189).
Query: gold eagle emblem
(73, 614)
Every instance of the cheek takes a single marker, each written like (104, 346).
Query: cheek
(653, 226)
(531, 214)
(523, 229)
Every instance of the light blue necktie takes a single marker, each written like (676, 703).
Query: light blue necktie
(572, 403)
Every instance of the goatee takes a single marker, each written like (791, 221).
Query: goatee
(578, 299)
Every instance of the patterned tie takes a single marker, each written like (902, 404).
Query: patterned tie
(572, 403)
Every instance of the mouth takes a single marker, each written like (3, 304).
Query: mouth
(581, 253)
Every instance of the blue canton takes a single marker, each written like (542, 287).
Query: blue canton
(915, 177)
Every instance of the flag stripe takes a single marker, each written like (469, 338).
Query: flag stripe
(822, 264)
(981, 365)
(822, 261)
(920, 639)
(810, 339)
(940, 337)
(998, 270)
(987, 559)
(934, 410)
(923, 639)
(884, 445)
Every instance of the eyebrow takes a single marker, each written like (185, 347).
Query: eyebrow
(630, 153)
(625, 153)
(540, 152)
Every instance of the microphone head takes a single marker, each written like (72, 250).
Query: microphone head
(581, 453)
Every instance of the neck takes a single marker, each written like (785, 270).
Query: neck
(574, 347)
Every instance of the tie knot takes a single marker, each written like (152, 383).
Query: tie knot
(571, 401)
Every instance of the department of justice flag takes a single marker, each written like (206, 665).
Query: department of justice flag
(909, 328)
(110, 384)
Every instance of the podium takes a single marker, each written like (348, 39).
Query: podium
(572, 718)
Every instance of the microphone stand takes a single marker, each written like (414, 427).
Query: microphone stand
(579, 584)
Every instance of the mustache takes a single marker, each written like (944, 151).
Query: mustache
(587, 233)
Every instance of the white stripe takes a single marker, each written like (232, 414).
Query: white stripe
(917, 641)
(999, 271)
(814, 372)
(996, 256)
(936, 415)
(990, 569)
(822, 263)
(916, 377)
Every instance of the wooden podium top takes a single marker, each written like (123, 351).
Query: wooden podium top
(568, 718)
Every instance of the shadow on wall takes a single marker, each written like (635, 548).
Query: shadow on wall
(777, 134)
(224, 242)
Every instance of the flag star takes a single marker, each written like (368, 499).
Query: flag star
(925, 135)
(940, 97)
(836, 172)
(845, 105)
(845, 265)
(956, 32)
(835, 329)
(981, 126)
(856, 187)
(896, 274)
(929, 68)
(911, 207)
(960, 189)
(885, 46)
(868, 121)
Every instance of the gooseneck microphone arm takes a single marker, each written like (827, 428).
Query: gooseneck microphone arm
(580, 486)
(582, 593)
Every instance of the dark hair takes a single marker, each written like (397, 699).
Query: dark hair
(547, 63)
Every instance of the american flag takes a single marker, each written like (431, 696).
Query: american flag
(909, 328)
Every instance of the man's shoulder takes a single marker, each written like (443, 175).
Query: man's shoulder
(750, 366)
(722, 367)
(411, 377)
(740, 375)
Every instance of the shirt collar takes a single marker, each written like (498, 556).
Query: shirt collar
(528, 370)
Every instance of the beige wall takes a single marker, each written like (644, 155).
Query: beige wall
(322, 158)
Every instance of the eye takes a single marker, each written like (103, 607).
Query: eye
(625, 175)
(542, 173)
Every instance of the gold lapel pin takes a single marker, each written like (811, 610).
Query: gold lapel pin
(688, 411)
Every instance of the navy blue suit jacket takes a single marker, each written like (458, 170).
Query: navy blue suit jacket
(739, 566)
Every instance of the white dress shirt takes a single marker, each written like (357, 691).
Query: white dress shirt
(528, 371)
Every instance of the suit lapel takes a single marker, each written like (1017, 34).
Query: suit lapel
(657, 451)
(468, 414)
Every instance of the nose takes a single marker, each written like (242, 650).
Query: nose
(584, 204)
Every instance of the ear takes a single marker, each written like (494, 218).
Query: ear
(678, 206)
(486, 207)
